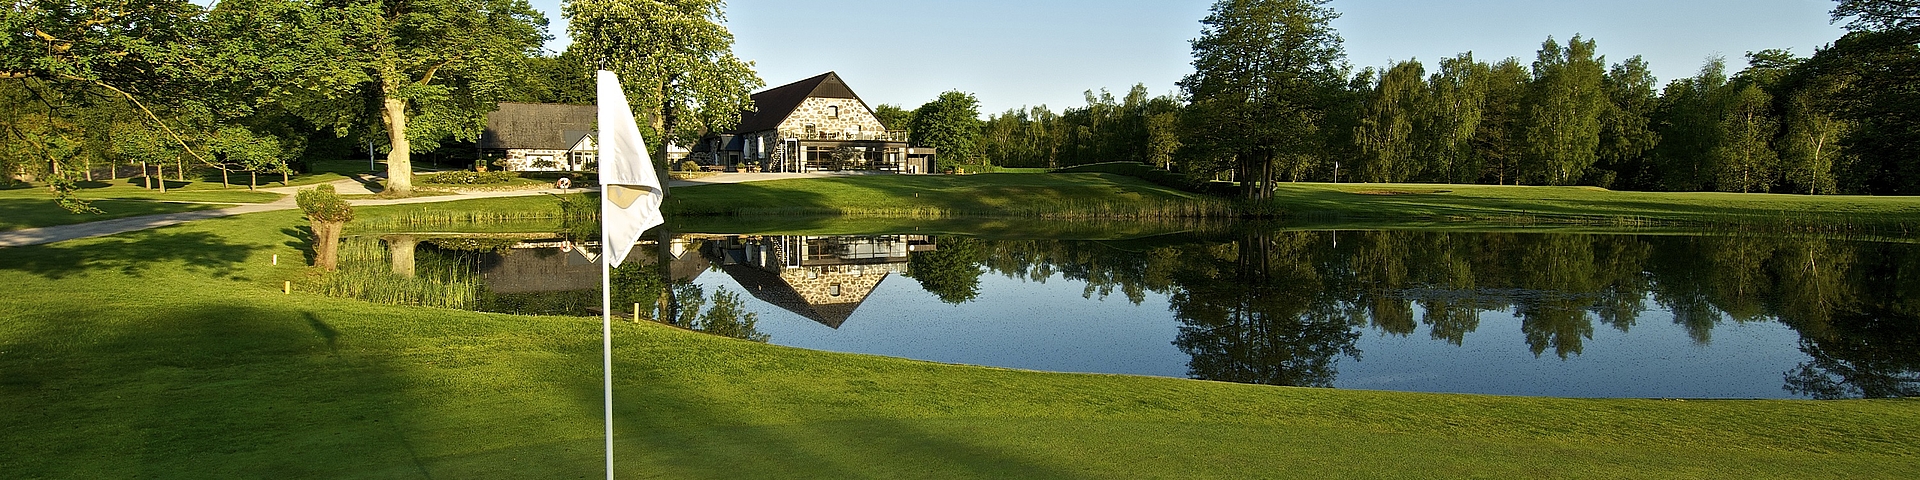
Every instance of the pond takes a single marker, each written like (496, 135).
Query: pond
(1568, 315)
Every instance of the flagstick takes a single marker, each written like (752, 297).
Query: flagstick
(606, 337)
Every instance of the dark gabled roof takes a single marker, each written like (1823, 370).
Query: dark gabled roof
(546, 126)
(775, 104)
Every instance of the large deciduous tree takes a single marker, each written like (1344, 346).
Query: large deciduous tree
(429, 69)
(1563, 122)
(1459, 103)
(1263, 73)
(951, 125)
(1386, 135)
(675, 60)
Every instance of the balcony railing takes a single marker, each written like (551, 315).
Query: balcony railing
(847, 136)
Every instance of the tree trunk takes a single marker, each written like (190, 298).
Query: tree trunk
(253, 180)
(399, 160)
(146, 181)
(665, 123)
(326, 244)
(162, 170)
(224, 180)
(400, 253)
(668, 306)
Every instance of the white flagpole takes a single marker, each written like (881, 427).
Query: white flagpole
(606, 341)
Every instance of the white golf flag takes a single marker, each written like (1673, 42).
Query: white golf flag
(630, 192)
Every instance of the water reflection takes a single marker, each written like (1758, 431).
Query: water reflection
(1254, 306)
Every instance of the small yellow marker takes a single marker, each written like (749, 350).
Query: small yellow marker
(636, 311)
(276, 259)
(287, 287)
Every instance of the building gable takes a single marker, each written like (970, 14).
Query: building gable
(817, 98)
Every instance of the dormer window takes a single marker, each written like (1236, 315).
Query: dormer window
(833, 111)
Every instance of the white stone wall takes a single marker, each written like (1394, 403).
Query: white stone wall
(853, 119)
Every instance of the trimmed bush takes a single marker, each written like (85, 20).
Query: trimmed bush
(463, 177)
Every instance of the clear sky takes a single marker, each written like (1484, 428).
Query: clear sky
(1012, 53)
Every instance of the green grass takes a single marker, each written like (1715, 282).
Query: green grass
(1524, 204)
(932, 196)
(171, 353)
(35, 212)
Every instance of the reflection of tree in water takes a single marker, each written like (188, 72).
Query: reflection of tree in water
(952, 272)
(1260, 316)
(1280, 307)
(1863, 331)
(727, 316)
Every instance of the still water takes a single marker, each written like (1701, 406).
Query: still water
(1495, 313)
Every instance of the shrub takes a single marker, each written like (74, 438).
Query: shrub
(463, 177)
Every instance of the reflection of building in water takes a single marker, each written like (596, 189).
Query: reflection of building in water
(555, 265)
(821, 278)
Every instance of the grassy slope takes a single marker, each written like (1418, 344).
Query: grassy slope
(1409, 201)
(185, 361)
(932, 195)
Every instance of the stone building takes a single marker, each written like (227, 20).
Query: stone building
(812, 125)
(821, 278)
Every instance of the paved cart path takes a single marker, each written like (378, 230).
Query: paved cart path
(58, 233)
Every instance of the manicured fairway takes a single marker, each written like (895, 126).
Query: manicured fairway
(171, 353)
(1523, 203)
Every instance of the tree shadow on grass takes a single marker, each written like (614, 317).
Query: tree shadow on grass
(133, 254)
(201, 390)
(302, 240)
(670, 425)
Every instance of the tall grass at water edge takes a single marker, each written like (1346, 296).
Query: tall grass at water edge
(1051, 209)
(440, 279)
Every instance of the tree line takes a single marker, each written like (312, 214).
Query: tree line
(87, 86)
(1272, 99)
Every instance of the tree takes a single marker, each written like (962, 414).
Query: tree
(1264, 71)
(71, 56)
(328, 214)
(951, 125)
(1744, 160)
(1626, 129)
(1867, 15)
(1871, 81)
(1563, 118)
(675, 60)
(429, 69)
(952, 272)
(896, 119)
(1386, 133)
(1497, 142)
(1458, 104)
(1689, 120)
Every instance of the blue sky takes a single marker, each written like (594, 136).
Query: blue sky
(1012, 53)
